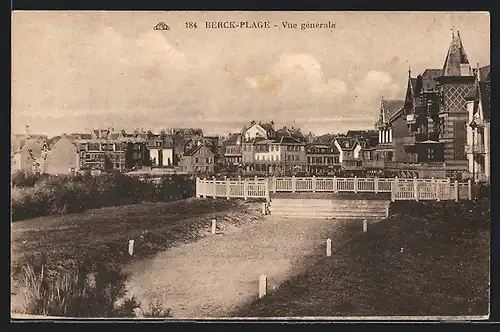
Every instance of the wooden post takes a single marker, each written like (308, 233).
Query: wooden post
(456, 190)
(376, 185)
(256, 178)
(131, 247)
(415, 188)
(294, 183)
(245, 189)
(335, 184)
(239, 177)
(262, 286)
(438, 191)
(214, 226)
(214, 188)
(264, 208)
(328, 247)
(204, 188)
(394, 188)
(228, 189)
(198, 187)
(365, 225)
(469, 183)
(274, 184)
(355, 184)
(314, 184)
(266, 184)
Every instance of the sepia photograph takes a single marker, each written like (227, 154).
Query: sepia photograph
(250, 165)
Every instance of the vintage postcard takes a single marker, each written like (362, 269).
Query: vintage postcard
(250, 165)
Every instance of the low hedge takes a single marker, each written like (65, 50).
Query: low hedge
(40, 195)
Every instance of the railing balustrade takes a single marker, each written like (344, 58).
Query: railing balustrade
(400, 189)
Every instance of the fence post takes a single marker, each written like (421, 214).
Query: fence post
(438, 191)
(245, 189)
(205, 188)
(355, 184)
(131, 247)
(394, 188)
(198, 187)
(314, 184)
(470, 188)
(214, 188)
(239, 177)
(294, 183)
(274, 184)
(328, 247)
(267, 190)
(262, 286)
(214, 226)
(335, 184)
(228, 189)
(415, 188)
(456, 190)
(376, 185)
(264, 208)
(365, 226)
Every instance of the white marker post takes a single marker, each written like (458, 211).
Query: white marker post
(328, 247)
(214, 226)
(262, 286)
(131, 247)
(264, 208)
(365, 225)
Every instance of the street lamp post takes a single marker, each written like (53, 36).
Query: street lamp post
(473, 125)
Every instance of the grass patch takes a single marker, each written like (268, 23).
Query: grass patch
(102, 235)
(426, 259)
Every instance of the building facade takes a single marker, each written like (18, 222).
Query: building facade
(478, 147)
(63, 157)
(322, 159)
(198, 160)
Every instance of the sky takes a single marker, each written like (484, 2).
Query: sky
(73, 71)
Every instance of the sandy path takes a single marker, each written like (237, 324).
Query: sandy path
(212, 276)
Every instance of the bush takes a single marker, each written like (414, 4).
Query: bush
(24, 179)
(62, 194)
(77, 292)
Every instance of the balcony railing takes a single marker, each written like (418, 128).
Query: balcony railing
(410, 118)
(432, 136)
(476, 149)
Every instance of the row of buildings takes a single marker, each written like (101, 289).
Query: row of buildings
(441, 128)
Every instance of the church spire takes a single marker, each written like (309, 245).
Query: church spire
(456, 62)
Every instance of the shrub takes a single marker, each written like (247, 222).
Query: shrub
(156, 310)
(77, 292)
(61, 194)
(24, 178)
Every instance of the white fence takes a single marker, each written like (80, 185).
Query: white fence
(400, 189)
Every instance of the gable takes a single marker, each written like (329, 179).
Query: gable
(254, 131)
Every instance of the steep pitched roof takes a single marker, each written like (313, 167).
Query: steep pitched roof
(290, 132)
(484, 73)
(485, 91)
(388, 108)
(347, 143)
(428, 77)
(287, 140)
(195, 149)
(456, 56)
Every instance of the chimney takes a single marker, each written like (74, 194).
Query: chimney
(465, 69)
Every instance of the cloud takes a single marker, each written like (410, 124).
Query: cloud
(377, 83)
(295, 75)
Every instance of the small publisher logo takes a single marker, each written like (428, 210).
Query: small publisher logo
(161, 26)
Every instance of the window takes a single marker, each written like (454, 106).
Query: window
(207, 160)
(431, 154)
(207, 168)
(308, 160)
(336, 160)
(196, 160)
(158, 143)
(117, 165)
